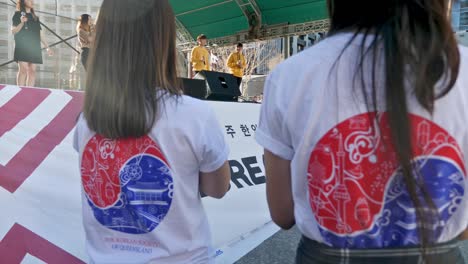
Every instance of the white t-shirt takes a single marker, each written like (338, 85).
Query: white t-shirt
(141, 201)
(348, 192)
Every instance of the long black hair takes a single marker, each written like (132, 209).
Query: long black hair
(421, 57)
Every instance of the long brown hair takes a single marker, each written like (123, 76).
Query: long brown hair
(134, 55)
(416, 41)
(21, 6)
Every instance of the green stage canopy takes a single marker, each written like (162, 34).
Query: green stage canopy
(227, 21)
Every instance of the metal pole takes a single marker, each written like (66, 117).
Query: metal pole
(55, 34)
(287, 47)
(52, 45)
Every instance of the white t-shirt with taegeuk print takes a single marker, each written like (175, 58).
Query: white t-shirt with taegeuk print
(347, 187)
(141, 201)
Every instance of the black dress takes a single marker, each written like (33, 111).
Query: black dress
(28, 40)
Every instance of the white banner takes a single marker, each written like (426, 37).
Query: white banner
(40, 185)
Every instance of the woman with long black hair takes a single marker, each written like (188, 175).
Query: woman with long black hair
(368, 153)
(28, 39)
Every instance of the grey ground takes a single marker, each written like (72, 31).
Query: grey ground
(281, 249)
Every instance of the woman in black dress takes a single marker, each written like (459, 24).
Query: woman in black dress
(27, 31)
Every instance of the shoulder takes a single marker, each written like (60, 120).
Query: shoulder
(82, 132)
(185, 112)
(186, 109)
(463, 58)
(81, 123)
(192, 106)
(16, 19)
(318, 57)
(463, 64)
(304, 72)
(463, 52)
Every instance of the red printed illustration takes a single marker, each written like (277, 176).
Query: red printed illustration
(356, 187)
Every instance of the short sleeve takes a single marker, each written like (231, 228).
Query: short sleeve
(75, 140)
(16, 20)
(76, 136)
(214, 149)
(272, 133)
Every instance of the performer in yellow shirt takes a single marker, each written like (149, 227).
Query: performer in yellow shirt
(200, 56)
(237, 63)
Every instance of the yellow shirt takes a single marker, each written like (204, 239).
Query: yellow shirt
(233, 60)
(200, 59)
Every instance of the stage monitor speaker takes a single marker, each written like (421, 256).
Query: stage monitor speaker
(195, 88)
(217, 86)
(221, 86)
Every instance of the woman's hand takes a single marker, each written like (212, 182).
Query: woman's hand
(24, 19)
(50, 52)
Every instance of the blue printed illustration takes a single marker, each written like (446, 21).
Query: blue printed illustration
(129, 193)
(357, 191)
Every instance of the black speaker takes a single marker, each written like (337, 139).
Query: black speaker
(214, 86)
(221, 86)
(195, 88)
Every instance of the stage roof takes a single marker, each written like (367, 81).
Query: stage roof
(225, 21)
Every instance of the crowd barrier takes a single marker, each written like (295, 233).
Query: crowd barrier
(40, 187)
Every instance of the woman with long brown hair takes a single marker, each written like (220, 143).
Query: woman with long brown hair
(368, 154)
(144, 159)
(85, 31)
(28, 38)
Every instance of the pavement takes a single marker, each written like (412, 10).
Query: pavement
(278, 249)
(281, 249)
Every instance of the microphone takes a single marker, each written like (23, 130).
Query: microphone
(23, 14)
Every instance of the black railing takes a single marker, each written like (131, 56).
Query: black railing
(50, 30)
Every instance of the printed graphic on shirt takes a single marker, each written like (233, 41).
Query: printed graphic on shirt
(128, 183)
(357, 191)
